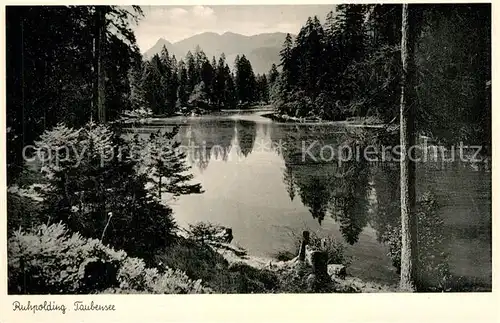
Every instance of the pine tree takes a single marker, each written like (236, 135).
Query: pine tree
(182, 91)
(166, 63)
(192, 72)
(213, 81)
(198, 97)
(153, 84)
(351, 47)
(99, 73)
(287, 64)
(200, 57)
(309, 48)
(172, 90)
(273, 74)
(377, 76)
(263, 88)
(103, 198)
(332, 56)
(207, 76)
(169, 81)
(350, 25)
(245, 81)
(220, 80)
(230, 92)
(137, 94)
(166, 166)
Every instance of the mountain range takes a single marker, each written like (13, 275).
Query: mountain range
(261, 50)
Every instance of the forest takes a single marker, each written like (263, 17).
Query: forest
(350, 66)
(168, 87)
(70, 83)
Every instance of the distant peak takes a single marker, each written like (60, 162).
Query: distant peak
(162, 41)
(209, 33)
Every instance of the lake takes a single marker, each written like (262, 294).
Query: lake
(258, 181)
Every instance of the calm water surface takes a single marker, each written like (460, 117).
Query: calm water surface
(256, 182)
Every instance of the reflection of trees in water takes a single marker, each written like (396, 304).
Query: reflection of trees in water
(324, 191)
(314, 191)
(288, 179)
(388, 208)
(315, 194)
(351, 206)
(206, 141)
(246, 131)
(355, 193)
(341, 190)
(196, 155)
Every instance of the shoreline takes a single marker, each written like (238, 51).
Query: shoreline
(261, 112)
(342, 281)
(316, 121)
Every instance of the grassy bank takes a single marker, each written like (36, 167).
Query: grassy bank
(226, 268)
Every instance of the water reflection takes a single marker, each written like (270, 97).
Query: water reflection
(386, 192)
(354, 193)
(256, 178)
(246, 134)
(338, 188)
(228, 139)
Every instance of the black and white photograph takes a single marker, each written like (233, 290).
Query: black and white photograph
(247, 149)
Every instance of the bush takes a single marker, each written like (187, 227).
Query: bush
(30, 175)
(296, 280)
(22, 211)
(335, 249)
(134, 276)
(95, 190)
(48, 260)
(434, 272)
(205, 231)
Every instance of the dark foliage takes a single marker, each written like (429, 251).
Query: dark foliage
(48, 260)
(50, 75)
(351, 67)
(94, 189)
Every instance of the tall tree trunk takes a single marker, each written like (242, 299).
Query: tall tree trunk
(99, 77)
(409, 255)
(159, 187)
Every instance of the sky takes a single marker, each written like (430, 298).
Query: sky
(175, 23)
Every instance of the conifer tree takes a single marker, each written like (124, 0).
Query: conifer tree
(286, 63)
(166, 166)
(273, 74)
(245, 81)
(230, 93)
(192, 72)
(220, 82)
(182, 91)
